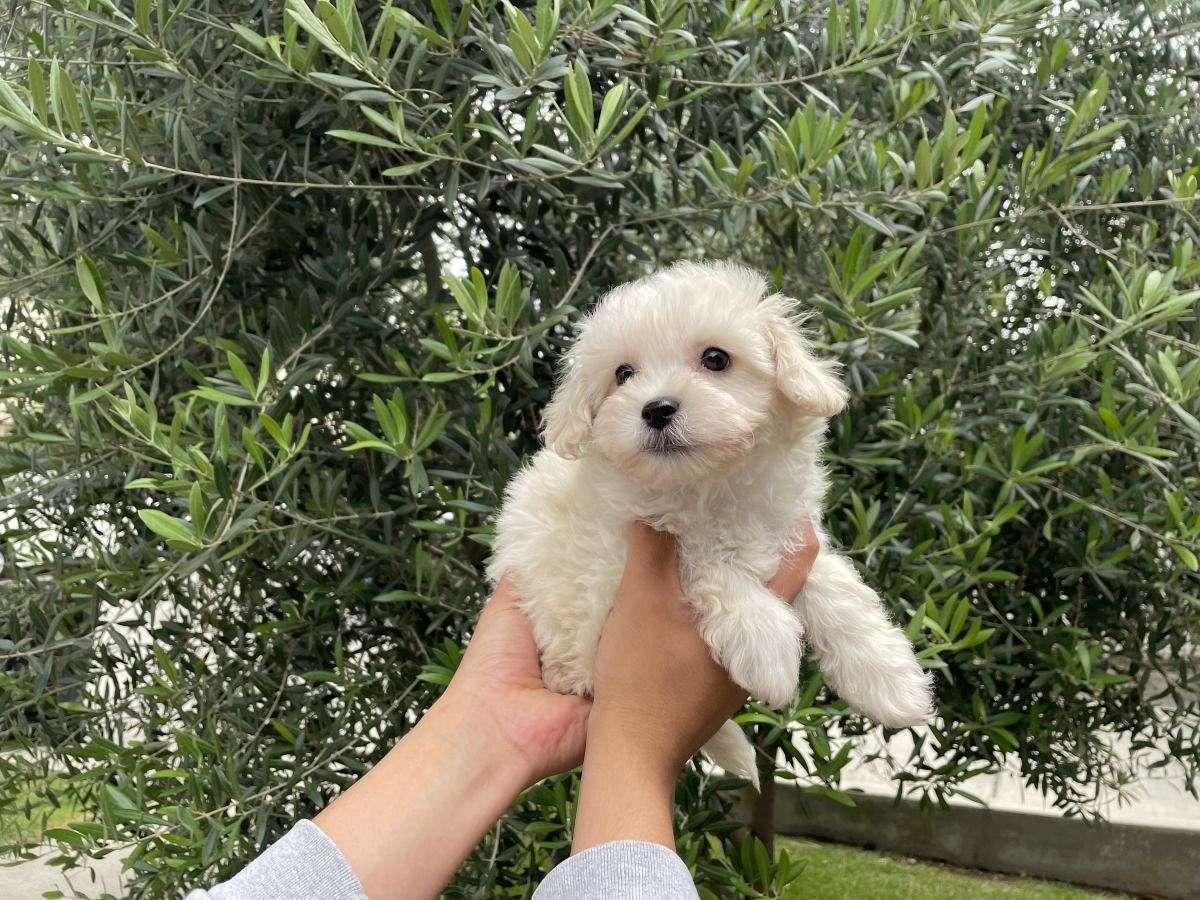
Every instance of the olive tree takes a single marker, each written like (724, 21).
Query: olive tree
(283, 288)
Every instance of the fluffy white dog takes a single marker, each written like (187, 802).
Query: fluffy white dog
(692, 401)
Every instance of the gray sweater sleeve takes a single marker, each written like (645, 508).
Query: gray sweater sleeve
(621, 870)
(305, 864)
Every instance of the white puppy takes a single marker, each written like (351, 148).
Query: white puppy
(692, 401)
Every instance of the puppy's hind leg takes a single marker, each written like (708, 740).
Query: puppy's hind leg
(751, 632)
(730, 749)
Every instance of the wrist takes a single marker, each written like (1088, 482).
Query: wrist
(621, 742)
(405, 826)
(481, 749)
(638, 738)
(628, 787)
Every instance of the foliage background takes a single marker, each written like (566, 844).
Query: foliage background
(282, 289)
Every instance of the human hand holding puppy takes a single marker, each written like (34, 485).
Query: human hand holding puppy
(497, 730)
(658, 693)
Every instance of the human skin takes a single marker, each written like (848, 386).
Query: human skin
(406, 826)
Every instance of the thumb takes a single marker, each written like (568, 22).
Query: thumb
(797, 562)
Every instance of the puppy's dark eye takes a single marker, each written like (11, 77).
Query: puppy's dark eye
(624, 373)
(715, 359)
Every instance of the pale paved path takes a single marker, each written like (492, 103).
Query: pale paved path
(1157, 798)
(29, 880)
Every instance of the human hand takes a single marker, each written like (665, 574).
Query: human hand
(407, 825)
(498, 689)
(653, 670)
(659, 694)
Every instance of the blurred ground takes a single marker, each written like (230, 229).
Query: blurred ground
(837, 872)
(832, 872)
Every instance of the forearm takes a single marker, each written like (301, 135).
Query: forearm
(407, 825)
(628, 787)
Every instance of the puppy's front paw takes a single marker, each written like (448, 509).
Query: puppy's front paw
(765, 657)
(772, 682)
(902, 699)
(566, 679)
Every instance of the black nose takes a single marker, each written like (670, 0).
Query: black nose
(657, 413)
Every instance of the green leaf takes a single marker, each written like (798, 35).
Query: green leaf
(217, 396)
(90, 281)
(611, 110)
(241, 373)
(264, 372)
(361, 137)
(336, 25)
(65, 100)
(580, 110)
(398, 597)
(65, 836)
(870, 221)
(407, 169)
(1188, 557)
(521, 38)
(306, 19)
(169, 527)
(37, 90)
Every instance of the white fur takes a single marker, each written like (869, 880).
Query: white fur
(750, 474)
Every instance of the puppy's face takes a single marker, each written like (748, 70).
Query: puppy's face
(672, 377)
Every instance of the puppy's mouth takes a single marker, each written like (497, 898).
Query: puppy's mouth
(666, 445)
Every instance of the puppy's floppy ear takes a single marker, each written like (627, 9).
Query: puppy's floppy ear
(811, 384)
(567, 418)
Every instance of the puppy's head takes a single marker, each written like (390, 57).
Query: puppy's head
(673, 377)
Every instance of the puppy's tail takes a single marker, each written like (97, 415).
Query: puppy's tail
(730, 749)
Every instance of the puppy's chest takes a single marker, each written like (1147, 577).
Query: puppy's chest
(732, 533)
(729, 518)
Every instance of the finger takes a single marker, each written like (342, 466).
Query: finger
(502, 615)
(796, 563)
(504, 597)
(651, 569)
(506, 591)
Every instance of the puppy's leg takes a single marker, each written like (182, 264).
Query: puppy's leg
(751, 632)
(568, 633)
(567, 647)
(862, 654)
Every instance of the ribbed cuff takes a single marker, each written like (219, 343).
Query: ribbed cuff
(621, 870)
(304, 864)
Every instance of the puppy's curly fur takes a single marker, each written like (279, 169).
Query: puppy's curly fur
(729, 473)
